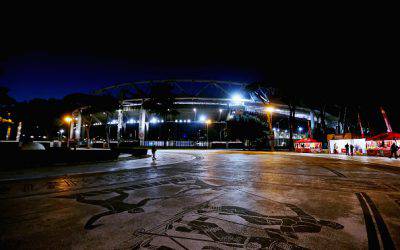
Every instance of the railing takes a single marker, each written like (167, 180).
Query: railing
(176, 144)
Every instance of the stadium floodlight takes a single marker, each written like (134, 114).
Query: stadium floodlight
(202, 118)
(237, 98)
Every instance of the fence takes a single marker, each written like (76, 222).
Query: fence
(177, 144)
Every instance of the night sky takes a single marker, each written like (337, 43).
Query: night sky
(354, 62)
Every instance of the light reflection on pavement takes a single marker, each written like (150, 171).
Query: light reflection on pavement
(164, 158)
(207, 200)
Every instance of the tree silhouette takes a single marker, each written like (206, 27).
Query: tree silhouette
(93, 108)
(161, 102)
(288, 95)
(248, 127)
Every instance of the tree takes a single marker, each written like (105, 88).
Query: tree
(93, 108)
(287, 95)
(40, 116)
(7, 104)
(5, 99)
(248, 127)
(161, 103)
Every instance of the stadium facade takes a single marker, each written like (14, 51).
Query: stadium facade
(204, 107)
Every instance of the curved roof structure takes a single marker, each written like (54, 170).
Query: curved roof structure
(202, 92)
(184, 88)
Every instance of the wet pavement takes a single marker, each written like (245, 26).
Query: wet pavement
(206, 200)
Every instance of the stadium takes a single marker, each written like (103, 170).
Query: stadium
(203, 109)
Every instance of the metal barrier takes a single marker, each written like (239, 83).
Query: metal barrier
(177, 144)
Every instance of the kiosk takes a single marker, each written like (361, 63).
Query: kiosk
(379, 145)
(308, 145)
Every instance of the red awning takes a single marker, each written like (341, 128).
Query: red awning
(385, 136)
(306, 140)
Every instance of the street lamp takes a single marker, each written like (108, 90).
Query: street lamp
(269, 110)
(68, 120)
(61, 134)
(207, 123)
(195, 113)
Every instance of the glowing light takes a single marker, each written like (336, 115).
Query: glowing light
(68, 119)
(300, 129)
(269, 109)
(237, 98)
(188, 121)
(220, 110)
(194, 110)
(208, 121)
(180, 121)
(113, 122)
(61, 131)
(153, 120)
(202, 118)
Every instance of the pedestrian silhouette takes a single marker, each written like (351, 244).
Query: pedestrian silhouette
(393, 150)
(153, 152)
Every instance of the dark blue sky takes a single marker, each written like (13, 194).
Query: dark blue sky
(42, 74)
(342, 57)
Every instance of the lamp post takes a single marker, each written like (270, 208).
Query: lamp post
(269, 110)
(195, 114)
(61, 134)
(68, 120)
(207, 123)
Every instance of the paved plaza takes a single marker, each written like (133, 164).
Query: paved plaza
(197, 199)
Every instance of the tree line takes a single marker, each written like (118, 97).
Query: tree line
(43, 116)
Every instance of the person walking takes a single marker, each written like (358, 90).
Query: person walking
(153, 152)
(393, 150)
(351, 149)
(347, 148)
(335, 148)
